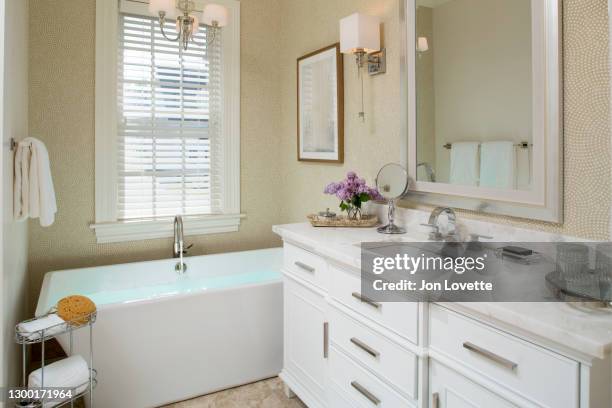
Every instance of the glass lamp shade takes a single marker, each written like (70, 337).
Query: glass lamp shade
(215, 13)
(359, 32)
(422, 44)
(167, 6)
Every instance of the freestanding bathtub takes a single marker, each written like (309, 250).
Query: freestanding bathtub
(162, 337)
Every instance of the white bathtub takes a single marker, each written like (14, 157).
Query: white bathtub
(161, 337)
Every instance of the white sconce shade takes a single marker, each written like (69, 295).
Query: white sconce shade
(167, 6)
(359, 32)
(422, 44)
(215, 13)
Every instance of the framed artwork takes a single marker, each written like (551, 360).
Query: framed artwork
(320, 94)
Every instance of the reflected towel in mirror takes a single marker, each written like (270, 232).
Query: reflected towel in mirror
(464, 164)
(497, 165)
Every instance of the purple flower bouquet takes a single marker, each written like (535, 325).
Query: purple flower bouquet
(352, 193)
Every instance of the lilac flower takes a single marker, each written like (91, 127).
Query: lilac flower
(332, 188)
(345, 194)
(375, 195)
(352, 192)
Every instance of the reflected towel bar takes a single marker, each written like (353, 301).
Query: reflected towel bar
(522, 145)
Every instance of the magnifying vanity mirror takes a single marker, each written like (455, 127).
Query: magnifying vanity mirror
(483, 105)
(392, 183)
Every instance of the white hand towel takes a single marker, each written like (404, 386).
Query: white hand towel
(34, 195)
(497, 165)
(51, 323)
(67, 373)
(464, 163)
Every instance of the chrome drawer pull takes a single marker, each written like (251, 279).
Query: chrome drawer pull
(491, 356)
(365, 347)
(325, 339)
(367, 300)
(304, 266)
(365, 392)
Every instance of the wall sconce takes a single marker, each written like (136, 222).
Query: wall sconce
(422, 45)
(360, 35)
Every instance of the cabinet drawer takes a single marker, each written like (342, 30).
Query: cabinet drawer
(305, 265)
(395, 364)
(361, 386)
(400, 317)
(449, 389)
(539, 375)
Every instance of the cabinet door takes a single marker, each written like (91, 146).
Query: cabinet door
(448, 389)
(306, 337)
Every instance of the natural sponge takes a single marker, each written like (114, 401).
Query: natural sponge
(76, 309)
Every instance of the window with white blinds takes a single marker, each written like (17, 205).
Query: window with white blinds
(169, 112)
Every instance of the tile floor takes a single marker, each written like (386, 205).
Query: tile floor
(262, 394)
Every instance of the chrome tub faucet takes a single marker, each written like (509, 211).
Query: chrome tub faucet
(179, 245)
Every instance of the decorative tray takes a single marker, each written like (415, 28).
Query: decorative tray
(366, 221)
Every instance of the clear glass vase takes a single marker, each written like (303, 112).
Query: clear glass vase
(353, 213)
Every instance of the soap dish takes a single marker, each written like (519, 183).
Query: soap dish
(530, 259)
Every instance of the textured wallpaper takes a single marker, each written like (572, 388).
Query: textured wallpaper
(310, 25)
(62, 70)
(275, 187)
(371, 144)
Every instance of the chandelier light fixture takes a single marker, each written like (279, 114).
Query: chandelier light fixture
(214, 16)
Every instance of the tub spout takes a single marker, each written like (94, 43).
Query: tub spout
(179, 249)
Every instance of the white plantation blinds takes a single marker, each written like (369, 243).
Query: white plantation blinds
(168, 123)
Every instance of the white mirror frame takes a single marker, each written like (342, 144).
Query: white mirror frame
(545, 199)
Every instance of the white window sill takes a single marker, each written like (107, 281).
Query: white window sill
(137, 230)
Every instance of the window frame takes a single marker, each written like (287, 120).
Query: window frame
(106, 226)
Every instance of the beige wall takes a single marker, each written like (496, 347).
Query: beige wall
(482, 75)
(310, 25)
(425, 95)
(62, 115)
(275, 187)
(14, 235)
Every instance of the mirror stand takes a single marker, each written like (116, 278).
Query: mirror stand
(391, 228)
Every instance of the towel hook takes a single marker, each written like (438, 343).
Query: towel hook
(13, 144)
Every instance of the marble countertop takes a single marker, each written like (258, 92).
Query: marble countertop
(587, 332)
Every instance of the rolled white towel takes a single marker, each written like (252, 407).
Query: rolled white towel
(32, 330)
(67, 373)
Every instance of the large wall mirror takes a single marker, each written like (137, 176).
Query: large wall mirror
(482, 95)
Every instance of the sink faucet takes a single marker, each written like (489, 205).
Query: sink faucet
(435, 234)
(179, 244)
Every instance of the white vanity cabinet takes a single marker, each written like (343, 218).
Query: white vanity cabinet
(306, 347)
(341, 348)
(345, 350)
